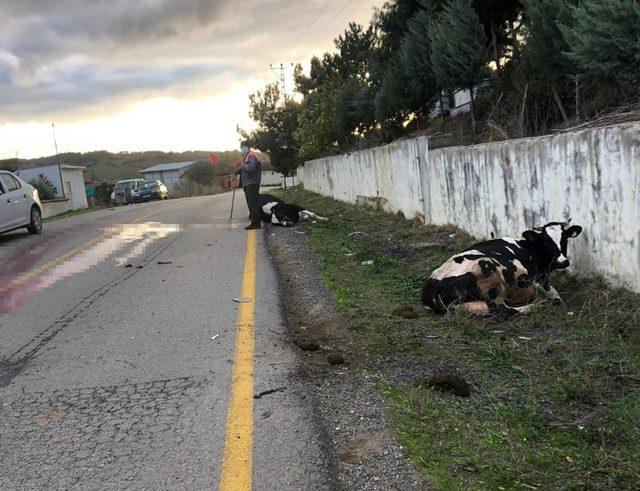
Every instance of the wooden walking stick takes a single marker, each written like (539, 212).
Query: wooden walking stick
(234, 184)
(233, 199)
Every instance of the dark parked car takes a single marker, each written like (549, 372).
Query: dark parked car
(149, 190)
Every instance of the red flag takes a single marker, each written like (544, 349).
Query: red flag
(214, 159)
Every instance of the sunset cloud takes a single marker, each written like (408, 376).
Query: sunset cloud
(69, 60)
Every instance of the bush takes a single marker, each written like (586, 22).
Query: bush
(103, 193)
(46, 189)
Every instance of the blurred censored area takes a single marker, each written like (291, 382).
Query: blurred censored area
(24, 271)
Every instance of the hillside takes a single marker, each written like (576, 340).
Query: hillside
(107, 166)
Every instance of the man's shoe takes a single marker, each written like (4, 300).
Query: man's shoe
(253, 227)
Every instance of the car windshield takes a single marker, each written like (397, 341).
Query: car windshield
(125, 185)
(149, 185)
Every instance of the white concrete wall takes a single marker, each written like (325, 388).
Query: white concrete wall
(271, 178)
(390, 173)
(55, 207)
(591, 176)
(289, 182)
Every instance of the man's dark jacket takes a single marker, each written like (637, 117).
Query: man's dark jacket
(250, 170)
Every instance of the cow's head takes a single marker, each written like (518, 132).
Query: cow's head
(550, 242)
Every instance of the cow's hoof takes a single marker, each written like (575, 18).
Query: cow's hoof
(557, 301)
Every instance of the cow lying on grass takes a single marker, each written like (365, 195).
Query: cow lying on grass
(277, 212)
(492, 276)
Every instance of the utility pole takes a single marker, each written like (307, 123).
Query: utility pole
(53, 128)
(280, 72)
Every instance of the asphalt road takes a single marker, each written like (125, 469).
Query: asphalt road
(117, 346)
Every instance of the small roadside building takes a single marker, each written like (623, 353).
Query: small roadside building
(168, 174)
(69, 193)
(269, 176)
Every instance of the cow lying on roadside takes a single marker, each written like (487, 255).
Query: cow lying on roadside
(491, 276)
(277, 212)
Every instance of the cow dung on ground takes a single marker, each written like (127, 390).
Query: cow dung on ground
(361, 447)
(306, 345)
(446, 382)
(335, 358)
(405, 312)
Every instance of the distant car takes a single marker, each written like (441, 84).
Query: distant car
(20, 204)
(124, 190)
(150, 190)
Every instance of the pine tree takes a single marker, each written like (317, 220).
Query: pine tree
(393, 100)
(545, 51)
(415, 54)
(409, 84)
(458, 49)
(604, 43)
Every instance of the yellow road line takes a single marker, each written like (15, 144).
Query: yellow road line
(237, 461)
(67, 255)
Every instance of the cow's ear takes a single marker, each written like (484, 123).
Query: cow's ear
(531, 235)
(574, 231)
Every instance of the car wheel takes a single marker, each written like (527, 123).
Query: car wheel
(35, 224)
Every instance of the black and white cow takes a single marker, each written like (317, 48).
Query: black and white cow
(277, 212)
(496, 275)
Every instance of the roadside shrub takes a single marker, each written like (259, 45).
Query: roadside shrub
(103, 193)
(45, 187)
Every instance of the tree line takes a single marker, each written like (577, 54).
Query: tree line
(543, 63)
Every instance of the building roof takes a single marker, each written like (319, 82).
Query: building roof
(166, 167)
(62, 166)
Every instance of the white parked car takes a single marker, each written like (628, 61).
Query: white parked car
(124, 191)
(20, 204)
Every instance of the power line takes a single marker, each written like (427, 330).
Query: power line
(325, 28)
(311, 24)
(339, 13)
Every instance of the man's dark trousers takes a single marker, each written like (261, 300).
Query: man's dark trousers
(251, 194)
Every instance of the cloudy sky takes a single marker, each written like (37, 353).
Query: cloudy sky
(148, 74)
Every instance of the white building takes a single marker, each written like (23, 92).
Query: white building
(168, 174)
(271, 178)
(458, 102)
(71, 189)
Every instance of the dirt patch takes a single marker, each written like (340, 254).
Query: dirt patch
(405, 312)
(352, 413)
(361, 447)
(335, 358)
(48, 416)
(306, 345)
(446, 382)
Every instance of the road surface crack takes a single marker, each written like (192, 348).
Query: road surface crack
(268, 392)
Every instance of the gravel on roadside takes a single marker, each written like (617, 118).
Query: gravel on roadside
(352, 415)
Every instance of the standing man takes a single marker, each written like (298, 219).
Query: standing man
(250, 175)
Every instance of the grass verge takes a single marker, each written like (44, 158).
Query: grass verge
(555, 400)
(72, 213)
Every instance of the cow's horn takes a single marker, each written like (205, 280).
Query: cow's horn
(567, 223)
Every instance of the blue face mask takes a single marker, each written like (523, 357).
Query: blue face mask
(244, 150)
